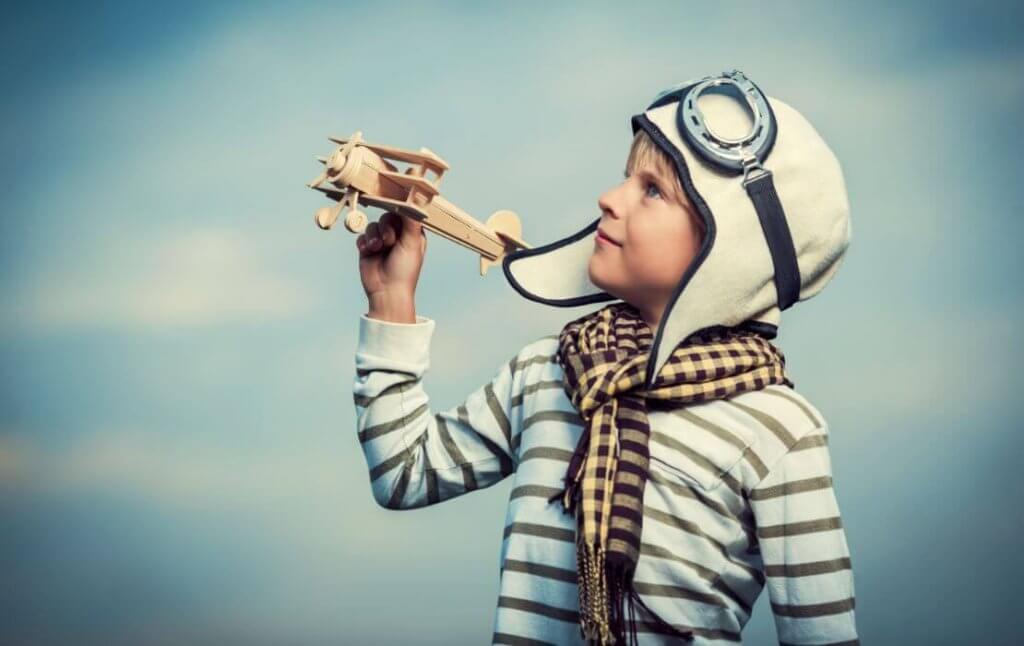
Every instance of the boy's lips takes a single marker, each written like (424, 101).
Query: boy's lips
(604, 237)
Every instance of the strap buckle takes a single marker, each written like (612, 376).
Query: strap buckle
(752, 168)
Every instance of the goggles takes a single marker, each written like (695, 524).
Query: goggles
(740, 155)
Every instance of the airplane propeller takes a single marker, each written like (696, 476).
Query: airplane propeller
(325, 217)
(334, 163)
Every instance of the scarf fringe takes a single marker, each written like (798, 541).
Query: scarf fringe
(608, 602)
(595, 624)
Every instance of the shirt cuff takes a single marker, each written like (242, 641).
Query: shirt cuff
(399, 345)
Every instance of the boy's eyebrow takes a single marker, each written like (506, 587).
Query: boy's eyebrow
(641, 171)
(646, 172)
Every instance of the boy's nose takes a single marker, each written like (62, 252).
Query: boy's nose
(607, 203)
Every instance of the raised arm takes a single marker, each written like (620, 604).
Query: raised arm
(418, 457)
(803, 546)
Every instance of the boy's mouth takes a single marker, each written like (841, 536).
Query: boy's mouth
(603, 237)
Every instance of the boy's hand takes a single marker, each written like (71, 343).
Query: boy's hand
(391, 253)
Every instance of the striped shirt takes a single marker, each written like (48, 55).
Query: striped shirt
(739, 495)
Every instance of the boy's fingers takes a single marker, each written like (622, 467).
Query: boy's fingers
(407, 231)
(391, 227)
(372, 233)
(363, 245)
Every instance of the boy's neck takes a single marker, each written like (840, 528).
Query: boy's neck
(651, 315)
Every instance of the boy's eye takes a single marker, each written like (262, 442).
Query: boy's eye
(653, 190)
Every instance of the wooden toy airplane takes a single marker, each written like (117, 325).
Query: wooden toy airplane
(358, 173)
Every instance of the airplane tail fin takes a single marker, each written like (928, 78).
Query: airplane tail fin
(506, 224)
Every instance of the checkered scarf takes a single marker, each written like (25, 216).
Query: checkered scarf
(604, 359)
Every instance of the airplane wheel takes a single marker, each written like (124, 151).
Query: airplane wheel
(356, 221)
(323, 217)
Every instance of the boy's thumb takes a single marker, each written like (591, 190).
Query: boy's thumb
(412, 231)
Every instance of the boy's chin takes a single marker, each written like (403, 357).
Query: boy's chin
(595, 278)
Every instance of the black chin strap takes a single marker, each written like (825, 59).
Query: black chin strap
(761, 190)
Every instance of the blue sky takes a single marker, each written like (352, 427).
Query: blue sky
(178, 459)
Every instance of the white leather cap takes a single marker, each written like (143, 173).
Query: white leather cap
(731, 281)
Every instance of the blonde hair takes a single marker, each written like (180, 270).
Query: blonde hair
(643, 153)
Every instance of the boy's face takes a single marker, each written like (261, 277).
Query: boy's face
(657, 239)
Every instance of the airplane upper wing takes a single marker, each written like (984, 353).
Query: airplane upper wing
(413, 157)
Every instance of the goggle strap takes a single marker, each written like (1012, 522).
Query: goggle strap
(761, 189)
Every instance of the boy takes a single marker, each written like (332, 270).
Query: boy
(665, 468)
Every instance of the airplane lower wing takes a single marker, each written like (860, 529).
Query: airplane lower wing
(403, 208)
(337, 196)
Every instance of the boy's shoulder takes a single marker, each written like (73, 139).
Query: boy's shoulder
(776, 420)
(786, 403)
(782, 412)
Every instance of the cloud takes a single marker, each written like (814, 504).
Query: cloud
(199, 277)
(188, 473)
(293, 493)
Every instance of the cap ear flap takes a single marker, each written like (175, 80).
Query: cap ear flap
(558, 273)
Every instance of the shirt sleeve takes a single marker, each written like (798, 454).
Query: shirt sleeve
(803, 547)
(416, 456)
